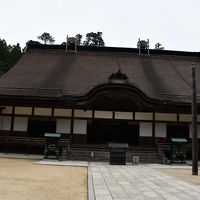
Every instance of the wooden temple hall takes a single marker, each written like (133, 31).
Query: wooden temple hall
(95, 96)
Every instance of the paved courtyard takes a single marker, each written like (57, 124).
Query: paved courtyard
(118, 182)
(139, 182)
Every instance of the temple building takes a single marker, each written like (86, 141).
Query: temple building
(98, 95)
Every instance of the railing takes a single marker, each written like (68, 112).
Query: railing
(28, 142)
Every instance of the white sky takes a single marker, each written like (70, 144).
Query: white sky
(173, 23)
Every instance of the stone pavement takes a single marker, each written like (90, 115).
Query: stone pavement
(139, 182)
(63, 163)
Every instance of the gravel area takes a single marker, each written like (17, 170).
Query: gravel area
(22, 179)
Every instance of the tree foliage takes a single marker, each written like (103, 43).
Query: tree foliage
(79, 38)
(15, 54)
(9, 55)
(94, 39)
(159, 46)
(46, 38)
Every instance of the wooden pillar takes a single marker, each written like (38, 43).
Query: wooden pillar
(72, 126)
(11, 128)
(12, 119)
(178, 118)
(33, 110)
(133, 115)
(52, 112)
(153, 130)
(113, 115)
(93, 114)
(194, 123)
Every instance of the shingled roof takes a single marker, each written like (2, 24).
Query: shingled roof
(50, 71)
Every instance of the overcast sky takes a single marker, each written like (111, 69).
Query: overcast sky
(173, 23)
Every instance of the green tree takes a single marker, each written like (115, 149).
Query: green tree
(94, 39)
(4, 51)
(4, 56)
(159, 46)
(9, 56)
(46, 38)
(1, 68)
(79, 39)
(15, 54)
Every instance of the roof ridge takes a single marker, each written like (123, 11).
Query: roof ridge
(115, 49)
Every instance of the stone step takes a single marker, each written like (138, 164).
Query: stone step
(150, 157)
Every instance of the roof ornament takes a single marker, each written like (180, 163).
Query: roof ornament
(118, 77)
(142, 45)
(71, 41)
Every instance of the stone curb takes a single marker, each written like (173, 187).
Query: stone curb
(91, 194)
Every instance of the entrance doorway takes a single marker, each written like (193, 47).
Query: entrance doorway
(118, 131)
(177, 131)
(38, 127)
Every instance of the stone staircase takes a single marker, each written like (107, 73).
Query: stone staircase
(144, 157)
(93, 154)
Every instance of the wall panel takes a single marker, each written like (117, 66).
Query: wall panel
(80, 126)
(165, 117)
(20, 123)
(103, 114)
(124, 115)
(185, 118)
(83, 113)
(7, 110)
(63, 126)
(161, 130)
(5, 123)
(143, 116)
(23, 110)
(58, 112)
(146, 129)
(43, 111)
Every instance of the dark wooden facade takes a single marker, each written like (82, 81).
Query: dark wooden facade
(95, 96)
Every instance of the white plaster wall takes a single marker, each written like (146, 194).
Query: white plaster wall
(165, 117)
(83, 113)
(198, 131)
(103, 114)
(42, 111)
(123, 115)
(146, 129)
(161, 130)
(185, 118)
(5, 123)
(63, 126)
(23, 110)
(80, 126)
(62, 112)
(20, 123)
(7, 110)
(143, 116)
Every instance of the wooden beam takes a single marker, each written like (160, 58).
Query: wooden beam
(153, 130)
(72, 126)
